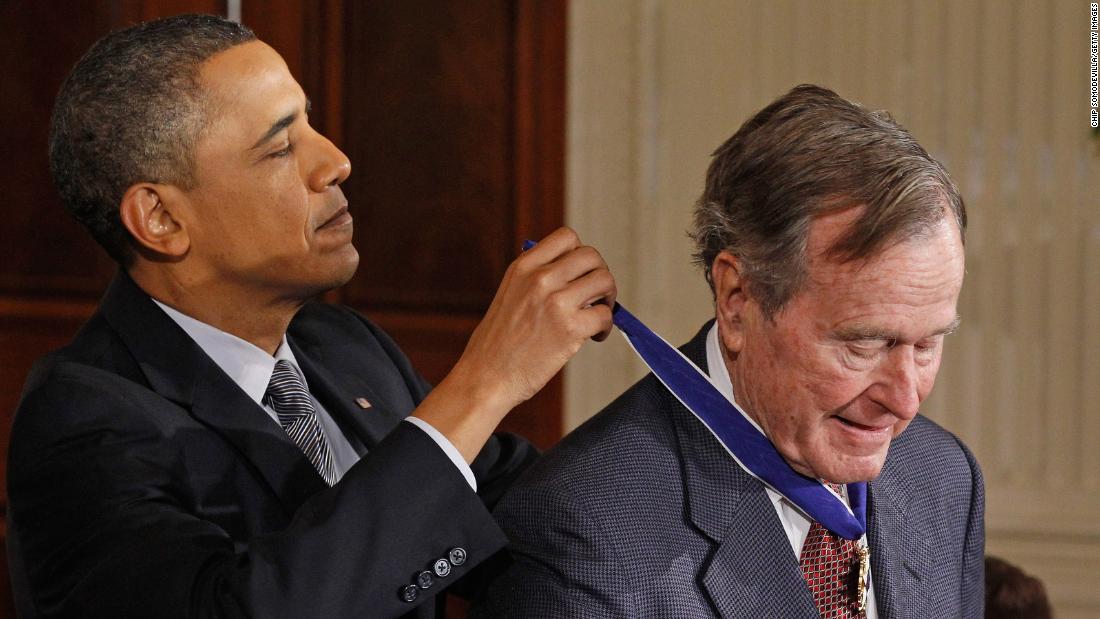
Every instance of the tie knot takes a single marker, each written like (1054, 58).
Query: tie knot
(285, 382)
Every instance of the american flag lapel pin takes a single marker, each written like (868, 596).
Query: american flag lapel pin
(362, 402)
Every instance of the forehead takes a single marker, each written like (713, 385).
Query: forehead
(912, 285)
(247, 84)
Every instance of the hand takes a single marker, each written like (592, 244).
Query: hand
(552, 298)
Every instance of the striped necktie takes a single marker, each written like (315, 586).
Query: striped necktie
(286, 393)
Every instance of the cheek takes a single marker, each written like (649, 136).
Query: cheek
(926, 377)
(828, 383)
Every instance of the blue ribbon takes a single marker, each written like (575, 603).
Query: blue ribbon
(739, 436)
(731, 426)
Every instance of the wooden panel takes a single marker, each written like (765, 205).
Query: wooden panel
(45, 252)
(428, 124)
(453, 118)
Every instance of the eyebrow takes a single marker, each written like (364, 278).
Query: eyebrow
(863, 332)
(279, 125)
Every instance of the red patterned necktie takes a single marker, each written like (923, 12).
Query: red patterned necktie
(830, 565)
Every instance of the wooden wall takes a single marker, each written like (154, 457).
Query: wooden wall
(452, 112)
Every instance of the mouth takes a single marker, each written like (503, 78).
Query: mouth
(864, 429)
(338, 219)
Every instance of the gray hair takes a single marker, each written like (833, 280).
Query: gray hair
(132, 111)
(807, 154)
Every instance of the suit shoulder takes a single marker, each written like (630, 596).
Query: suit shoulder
(328, 323)
(629, 443)
(929, 461)
(925, 439)
(68, 399)
(319, 316)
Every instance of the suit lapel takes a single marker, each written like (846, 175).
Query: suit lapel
(177, 369)
(753, 572)
(901, 558)
(338, 390)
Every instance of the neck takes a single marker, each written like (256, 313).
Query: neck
(244, 312)
(740, 393)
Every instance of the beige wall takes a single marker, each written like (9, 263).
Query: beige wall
(996, 90)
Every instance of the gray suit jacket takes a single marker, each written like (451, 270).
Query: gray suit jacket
(641, 513)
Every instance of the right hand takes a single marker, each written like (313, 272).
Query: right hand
(553, 297)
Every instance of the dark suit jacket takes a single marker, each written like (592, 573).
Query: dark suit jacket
(144, 482)
(641, 513)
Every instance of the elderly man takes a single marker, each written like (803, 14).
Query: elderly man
(833, 244)
(213, 443)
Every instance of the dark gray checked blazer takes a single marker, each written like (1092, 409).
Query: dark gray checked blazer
(641, 513)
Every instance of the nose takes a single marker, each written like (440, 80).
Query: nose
(897, 385)
(329, 166)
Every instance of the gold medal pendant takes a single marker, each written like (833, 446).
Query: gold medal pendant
(864, 559)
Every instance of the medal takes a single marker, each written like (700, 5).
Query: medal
(864, 558)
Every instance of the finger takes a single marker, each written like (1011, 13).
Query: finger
(572, 266)
(600, 317)
(590, 289)
(550, 248)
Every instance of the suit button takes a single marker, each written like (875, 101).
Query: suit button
(424, 579)
(441, 567)
(409, 593)
(457, 556)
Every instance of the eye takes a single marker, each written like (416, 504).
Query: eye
(865, 349)
(283, 152)
(926, 349)
(860, 357)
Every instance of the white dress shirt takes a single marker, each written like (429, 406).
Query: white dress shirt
(795, 522)
(250, 368)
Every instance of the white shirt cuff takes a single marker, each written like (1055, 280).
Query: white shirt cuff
(447, 447)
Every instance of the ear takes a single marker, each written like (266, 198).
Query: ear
(731, 300)
(146, 214)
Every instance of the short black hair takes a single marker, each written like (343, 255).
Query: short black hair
(132, 111)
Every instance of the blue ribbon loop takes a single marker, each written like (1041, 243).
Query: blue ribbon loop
(731, 426)
(736, 433)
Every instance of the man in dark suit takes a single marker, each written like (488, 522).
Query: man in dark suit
(834, 247)
(213, 443)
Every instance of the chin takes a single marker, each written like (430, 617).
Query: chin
(323, 278)
(853, 469)
(343, 269)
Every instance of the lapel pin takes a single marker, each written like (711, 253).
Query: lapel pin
(362, 402)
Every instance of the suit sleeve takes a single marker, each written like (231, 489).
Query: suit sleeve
(100, 505)
(973, 577)
(561, 565)
(504, 457)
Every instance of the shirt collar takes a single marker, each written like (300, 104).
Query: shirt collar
(246, 364)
